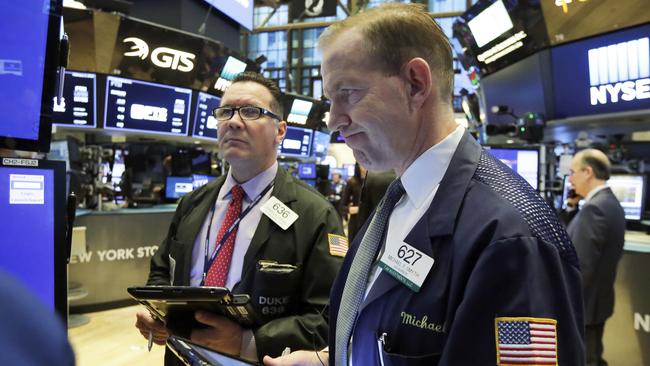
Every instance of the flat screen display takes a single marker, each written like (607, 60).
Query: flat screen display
(205, 125)
(241, 11)
(29, 35)
(177, 187)
(605, 74)
(497, 33)
(78, 106)
(321, 144)
(630, 191)
(133, 105)
(199, 180)
(299, 112)
(568, 21)
(307, 171)
(524, 162)
(231, 68)
(297, 142)
(32, 208)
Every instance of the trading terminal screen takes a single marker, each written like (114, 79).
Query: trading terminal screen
(297, 142)
(205, 125)
(134, 105)
(78, 105)
(524, 162)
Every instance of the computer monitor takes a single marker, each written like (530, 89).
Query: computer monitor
(307, 171)
(231, 68)
(321, 144)
(177, 187)
(630, 190)
(205, 125)
(77, 108)
(297, 142)
(199, 180)
(299, 111)
(134, 105)
(523, 160)
(33, 210)
(29, 33)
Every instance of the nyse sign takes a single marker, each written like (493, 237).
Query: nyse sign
(163, 57)
(620, 72)
(642, 322)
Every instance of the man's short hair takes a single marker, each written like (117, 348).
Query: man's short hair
(598, 162)
(272, 87)
(396, 33)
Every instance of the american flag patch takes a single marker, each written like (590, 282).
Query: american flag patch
(338, 244)
(526, 341)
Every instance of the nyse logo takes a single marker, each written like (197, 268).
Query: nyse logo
(167, 58)
(620, 72)
(642, 322)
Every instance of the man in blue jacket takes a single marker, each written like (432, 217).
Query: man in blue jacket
(470, 267)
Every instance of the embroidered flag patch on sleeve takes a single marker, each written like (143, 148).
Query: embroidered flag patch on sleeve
(338, 244)
(526, 341)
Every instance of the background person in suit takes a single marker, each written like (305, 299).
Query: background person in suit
(350, 200)
(598, 234)
(291, 303)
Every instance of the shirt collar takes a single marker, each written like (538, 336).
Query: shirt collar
(253, 187)
(593, 192)
(426, 172)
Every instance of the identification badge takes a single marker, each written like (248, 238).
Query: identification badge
(279, 213)
(407, 264)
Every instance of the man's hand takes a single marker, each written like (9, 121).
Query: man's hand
(146, 323)
(299, 358)
(222, 334)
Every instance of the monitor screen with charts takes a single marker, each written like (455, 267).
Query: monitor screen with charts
(177, 187)
(524, 161)
(77, 108)
(133, 105)
(32, 207)
(630, 191)
(205, 125)
(297, 142)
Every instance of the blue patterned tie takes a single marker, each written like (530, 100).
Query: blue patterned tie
(357, 280)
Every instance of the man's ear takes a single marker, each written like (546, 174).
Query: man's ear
(417, 75)
(282, 132)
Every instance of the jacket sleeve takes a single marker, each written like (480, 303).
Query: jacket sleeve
(307, 328)
(159, 265)
(518, 277)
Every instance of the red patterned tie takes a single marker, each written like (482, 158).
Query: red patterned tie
(218, 272)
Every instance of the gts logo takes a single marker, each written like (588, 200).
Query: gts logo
(164, 57)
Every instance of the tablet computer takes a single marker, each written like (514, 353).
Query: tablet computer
(193, 354)
(178, 303)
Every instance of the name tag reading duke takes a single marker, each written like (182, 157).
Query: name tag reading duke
(407, 264)
(279, 213)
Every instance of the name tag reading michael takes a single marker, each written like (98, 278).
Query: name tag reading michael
(279, 213)
(407, 264)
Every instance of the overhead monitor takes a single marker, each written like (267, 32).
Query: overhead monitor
(307, 171)
(495, 33)
(205, 125)
(29, 35)
(32, 207)
(77, 108)
(241, 11)
(133, 105)
(605, 74)
(230, 70)
(297, 142)
(199, 180)
(177, 187)
(630, 190)
(299, 112)
(524, 161)
(321, 144)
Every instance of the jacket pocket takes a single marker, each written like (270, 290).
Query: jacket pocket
(275, 289)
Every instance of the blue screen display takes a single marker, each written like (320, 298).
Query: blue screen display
(297, 142)
(523, 162)
(205, 125)
(177, 187)
(605, 74)
(240, 11)
(27, 226)
(199, 180)
(134, 105)
(23, 36)
(321, 144)
(307, 171)
(77, 108)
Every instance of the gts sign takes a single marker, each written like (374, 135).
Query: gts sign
(164, 57)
